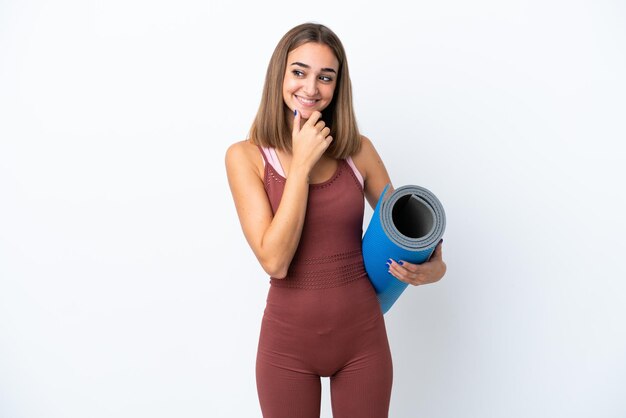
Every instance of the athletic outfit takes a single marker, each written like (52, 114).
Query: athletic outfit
(323, 318)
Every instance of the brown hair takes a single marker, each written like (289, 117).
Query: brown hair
(270, 128)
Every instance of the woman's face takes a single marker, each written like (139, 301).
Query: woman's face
(310, 78)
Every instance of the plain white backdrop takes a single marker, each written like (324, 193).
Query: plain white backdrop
(128, 290)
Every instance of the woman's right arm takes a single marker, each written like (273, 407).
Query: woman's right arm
(274, 238)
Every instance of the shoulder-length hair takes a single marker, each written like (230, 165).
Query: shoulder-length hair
(270, 127)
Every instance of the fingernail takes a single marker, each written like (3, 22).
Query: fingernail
(401, 263)
(295, 112)
(389, 261)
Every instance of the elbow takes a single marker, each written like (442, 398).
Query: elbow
(275, 260)
(275, 268)
(278, 274)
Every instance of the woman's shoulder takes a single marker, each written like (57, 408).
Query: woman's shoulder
(243, 153)
(366, 151)
(242, 149)
(367, 159)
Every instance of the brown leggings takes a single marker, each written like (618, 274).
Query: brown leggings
(337, 332)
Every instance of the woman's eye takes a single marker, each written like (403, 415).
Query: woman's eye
(297, 73)
(324, 78)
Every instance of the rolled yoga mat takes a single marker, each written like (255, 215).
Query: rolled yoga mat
(406, 225)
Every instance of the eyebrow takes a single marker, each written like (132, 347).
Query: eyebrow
(327, 70)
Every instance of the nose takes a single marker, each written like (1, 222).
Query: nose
(310, 86)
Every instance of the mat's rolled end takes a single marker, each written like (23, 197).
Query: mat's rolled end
(407, 224)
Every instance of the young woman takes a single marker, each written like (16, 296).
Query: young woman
(298, 184)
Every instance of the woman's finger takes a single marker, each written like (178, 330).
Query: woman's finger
(296, 123)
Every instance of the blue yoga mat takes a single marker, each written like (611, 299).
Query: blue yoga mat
(407, 224)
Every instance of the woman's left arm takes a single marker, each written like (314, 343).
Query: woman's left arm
(428, 272)
(375, 178)
(372, 168)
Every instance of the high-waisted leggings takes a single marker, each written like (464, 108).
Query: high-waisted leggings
(338, 333)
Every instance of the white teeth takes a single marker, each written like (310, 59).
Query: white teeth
(303, 100)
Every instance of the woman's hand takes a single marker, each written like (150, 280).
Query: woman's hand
(309, 141)
(274, 237)
(416, 274)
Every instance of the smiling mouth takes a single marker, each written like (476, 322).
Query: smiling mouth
(306, 102)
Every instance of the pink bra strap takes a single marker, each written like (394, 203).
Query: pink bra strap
(357, 173)
(271, 157)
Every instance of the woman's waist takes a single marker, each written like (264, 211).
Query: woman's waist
(342, 305)
(323, 271)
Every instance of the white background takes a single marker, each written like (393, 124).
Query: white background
(128, 290)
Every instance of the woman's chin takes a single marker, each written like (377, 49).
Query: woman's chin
(305, 113)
